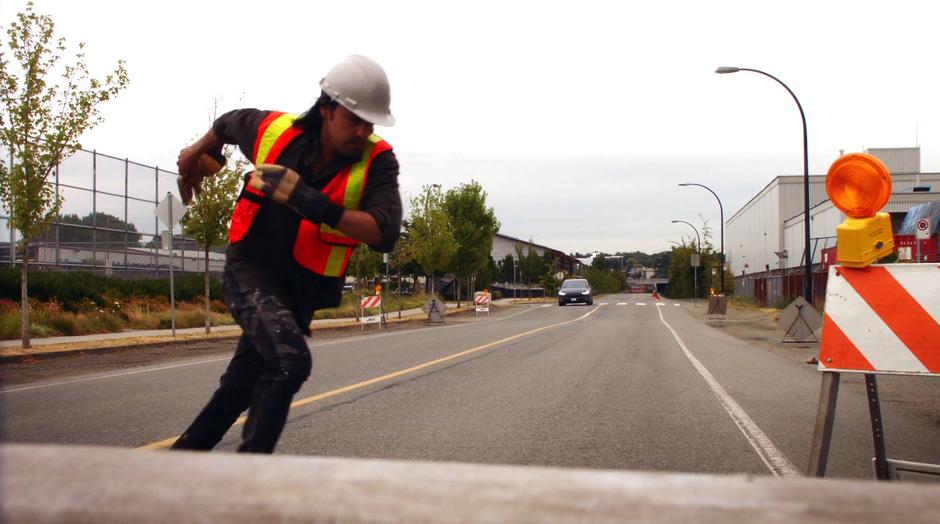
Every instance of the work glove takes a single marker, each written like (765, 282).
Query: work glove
(285, 187)
(189, 185)
(190, 182)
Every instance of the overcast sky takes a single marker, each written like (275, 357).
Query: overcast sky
(579, 119)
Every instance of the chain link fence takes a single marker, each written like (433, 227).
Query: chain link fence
(107, 221)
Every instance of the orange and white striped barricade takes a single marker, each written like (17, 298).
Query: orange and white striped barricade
(880, 319)
(481, 301)
(370, 302)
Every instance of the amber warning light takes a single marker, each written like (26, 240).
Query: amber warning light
(860, 185)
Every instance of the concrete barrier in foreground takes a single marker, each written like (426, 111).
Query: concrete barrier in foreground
(40, 483)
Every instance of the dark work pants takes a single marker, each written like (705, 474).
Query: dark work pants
(270, 364)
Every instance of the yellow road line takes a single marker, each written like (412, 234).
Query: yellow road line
(165, 443)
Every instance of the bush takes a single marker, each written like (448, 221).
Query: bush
(84, 290)
(604, 280)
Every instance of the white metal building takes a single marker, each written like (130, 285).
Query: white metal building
(767, 232)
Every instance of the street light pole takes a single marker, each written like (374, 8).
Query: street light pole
(721, 211)
(808, 288)
(694, 268)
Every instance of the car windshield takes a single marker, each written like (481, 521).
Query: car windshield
(574, 284)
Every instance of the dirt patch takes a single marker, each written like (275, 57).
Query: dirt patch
(758, 326)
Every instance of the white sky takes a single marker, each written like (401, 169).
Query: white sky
(579, 119)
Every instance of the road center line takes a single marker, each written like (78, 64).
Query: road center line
(775, 460)
(165, 443)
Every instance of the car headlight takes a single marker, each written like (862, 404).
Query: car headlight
(588, 292)
(561, 293)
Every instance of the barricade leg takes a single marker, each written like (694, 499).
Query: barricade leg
(825, 418)
(877, 429)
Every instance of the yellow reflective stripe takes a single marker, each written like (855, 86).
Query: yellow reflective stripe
(271, 134)
(357, 175)
(354, 184)
(334, 263)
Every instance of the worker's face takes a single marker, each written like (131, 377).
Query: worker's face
(345, 132)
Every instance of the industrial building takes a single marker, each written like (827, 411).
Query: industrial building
(766, 236)
(506, 245)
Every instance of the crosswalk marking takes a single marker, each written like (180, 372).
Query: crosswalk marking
(641, 303)
(621, 303)
(602, 304)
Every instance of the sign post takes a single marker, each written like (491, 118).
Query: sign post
(170, 211)
(923, 233)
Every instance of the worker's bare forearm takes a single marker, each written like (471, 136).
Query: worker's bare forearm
(360, 226)
(207, 142)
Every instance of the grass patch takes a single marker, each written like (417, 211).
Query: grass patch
(349, 307)
(49, 319)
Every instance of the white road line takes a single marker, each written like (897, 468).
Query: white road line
(677, 305)
(211, 360)
(602, 304)
(546, 305)
(641, 303)
(621, 303)
(660, 304)
(775, 460)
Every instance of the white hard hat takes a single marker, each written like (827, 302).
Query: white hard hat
(359, 84)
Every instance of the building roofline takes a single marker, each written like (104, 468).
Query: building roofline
(799, 178)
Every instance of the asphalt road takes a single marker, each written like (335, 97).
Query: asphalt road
(615, 386)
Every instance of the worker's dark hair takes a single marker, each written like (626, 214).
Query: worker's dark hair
(311, 119)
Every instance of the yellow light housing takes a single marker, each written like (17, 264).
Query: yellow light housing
(860, 185)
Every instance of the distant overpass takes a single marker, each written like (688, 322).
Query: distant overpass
(647, 285)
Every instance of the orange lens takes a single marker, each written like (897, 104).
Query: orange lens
(859, 185)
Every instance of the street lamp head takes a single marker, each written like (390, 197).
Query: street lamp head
(684, 184)
(726, 70)
(675, 221)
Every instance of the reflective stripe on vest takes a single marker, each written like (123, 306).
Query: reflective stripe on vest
(326, 250)
(274, 133)
(321, 249)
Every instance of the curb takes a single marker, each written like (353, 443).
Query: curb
(104, 346)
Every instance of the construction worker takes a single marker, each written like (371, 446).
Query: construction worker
(323, 182)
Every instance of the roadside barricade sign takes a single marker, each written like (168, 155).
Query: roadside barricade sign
(371, 302)
(880, 319)
(481, 300)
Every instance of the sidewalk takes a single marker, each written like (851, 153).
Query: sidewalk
(42, 346)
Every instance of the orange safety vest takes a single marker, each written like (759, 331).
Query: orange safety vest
(319, 248)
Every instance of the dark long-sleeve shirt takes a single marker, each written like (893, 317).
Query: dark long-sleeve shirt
(264, 257)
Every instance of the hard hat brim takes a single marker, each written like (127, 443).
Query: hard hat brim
(386, 120)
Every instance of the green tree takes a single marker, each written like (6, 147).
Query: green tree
(506, 268)
(400, 260)
(486, 276)
(680, 273)
(46, 108)
(110, 233)
(207, 219)
(432, 240)
(474, 225)
(365, 264)
(531, 265)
